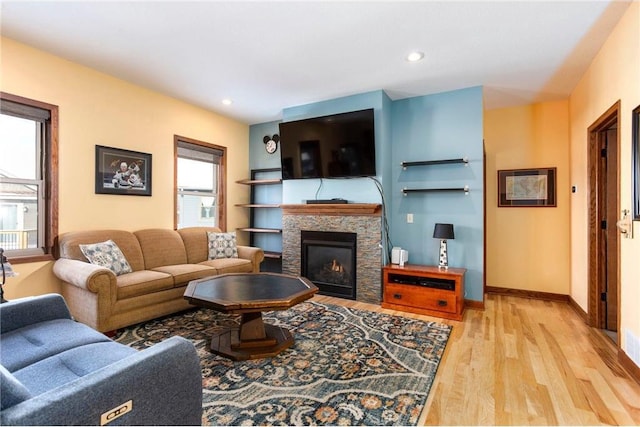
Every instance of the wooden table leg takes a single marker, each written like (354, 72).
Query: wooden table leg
(252, 340)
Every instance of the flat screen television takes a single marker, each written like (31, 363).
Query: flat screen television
(336, 146)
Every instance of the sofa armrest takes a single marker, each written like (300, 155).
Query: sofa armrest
(21, 312)
(255, 255)
(162, 383)
(84, 275)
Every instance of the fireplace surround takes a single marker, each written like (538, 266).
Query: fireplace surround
(328, 259)
(364, 220)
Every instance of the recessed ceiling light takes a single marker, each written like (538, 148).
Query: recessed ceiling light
(415, 56)
(227, 101)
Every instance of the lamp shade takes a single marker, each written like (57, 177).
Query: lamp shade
(443, 231)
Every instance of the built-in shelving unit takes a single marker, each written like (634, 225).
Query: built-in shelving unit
(462, 160)
(264, 201)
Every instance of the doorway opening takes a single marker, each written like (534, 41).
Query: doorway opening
(604, 239)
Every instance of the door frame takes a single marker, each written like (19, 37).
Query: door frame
(605, 121)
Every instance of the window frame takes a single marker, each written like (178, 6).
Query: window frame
(222, 181)
(50, 178)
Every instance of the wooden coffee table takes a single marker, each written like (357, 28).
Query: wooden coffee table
(250, 294)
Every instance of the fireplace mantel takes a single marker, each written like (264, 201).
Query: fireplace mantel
(335, 209)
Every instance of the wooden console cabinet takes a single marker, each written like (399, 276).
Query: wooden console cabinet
(424, 290)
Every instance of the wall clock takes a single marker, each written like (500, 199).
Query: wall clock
(271, 143)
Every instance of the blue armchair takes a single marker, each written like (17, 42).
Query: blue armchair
(55, 371)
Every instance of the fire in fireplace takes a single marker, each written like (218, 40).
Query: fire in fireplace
(328, 259)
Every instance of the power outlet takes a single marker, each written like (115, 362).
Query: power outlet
(409, 218)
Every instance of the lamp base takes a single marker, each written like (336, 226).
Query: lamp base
(444, 262)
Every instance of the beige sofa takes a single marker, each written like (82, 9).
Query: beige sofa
(163, 262)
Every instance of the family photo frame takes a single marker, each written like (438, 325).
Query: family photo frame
(120, 171)
(527, 187)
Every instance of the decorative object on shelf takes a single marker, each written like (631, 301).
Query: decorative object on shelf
(121, 171)
(7, 271)
(527, 187)
(443, 232)
(271, 143)
(399, 256)
(635, 122)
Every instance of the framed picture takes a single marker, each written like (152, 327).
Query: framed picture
(527, 187)
(635, 182)
(121, 171)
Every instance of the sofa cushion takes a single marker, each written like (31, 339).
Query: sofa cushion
(12, 391)
(196, 243)
(67, 366)
(161, 247)
(142, 283)
(126, 241)
(230, 265)
(32, 343)
(107, 254)
(183, 273)
(222, 245)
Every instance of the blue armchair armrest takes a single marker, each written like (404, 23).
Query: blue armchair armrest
(161, 385)
(31, 310)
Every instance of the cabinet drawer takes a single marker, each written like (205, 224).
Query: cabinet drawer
(420, 297)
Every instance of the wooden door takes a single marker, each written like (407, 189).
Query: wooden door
(604, 206)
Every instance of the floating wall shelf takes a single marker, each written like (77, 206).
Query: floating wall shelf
(405, 165)
(406, 191)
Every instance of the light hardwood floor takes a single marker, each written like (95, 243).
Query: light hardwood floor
(525, 362)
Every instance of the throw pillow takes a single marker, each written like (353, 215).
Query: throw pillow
(107, 254)
(222, 245)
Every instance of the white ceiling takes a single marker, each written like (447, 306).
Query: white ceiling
(268, 55)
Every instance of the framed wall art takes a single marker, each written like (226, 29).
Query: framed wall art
(635, 169)
(527, 187)
(121, 171)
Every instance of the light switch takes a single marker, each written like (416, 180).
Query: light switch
(409, 218)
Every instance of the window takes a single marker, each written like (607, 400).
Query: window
(200, 184)
(28, 177)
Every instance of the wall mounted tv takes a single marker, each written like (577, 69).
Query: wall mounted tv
(336, 146)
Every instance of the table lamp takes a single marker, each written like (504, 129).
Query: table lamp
(7, 271)
(443, 232)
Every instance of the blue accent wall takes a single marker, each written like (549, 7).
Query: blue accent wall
(436, 127)
(432, 127)
(258, 156)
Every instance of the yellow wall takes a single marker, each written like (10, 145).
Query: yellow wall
(97, 109)
(613, 75)
(528, 248)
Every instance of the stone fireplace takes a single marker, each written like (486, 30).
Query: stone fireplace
(328, 259)
(359, 230)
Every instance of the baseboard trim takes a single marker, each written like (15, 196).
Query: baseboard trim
(475, 305)
(579, 311)
(632, 369)
(548, 296)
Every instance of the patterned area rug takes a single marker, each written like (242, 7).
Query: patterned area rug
(346, 367)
